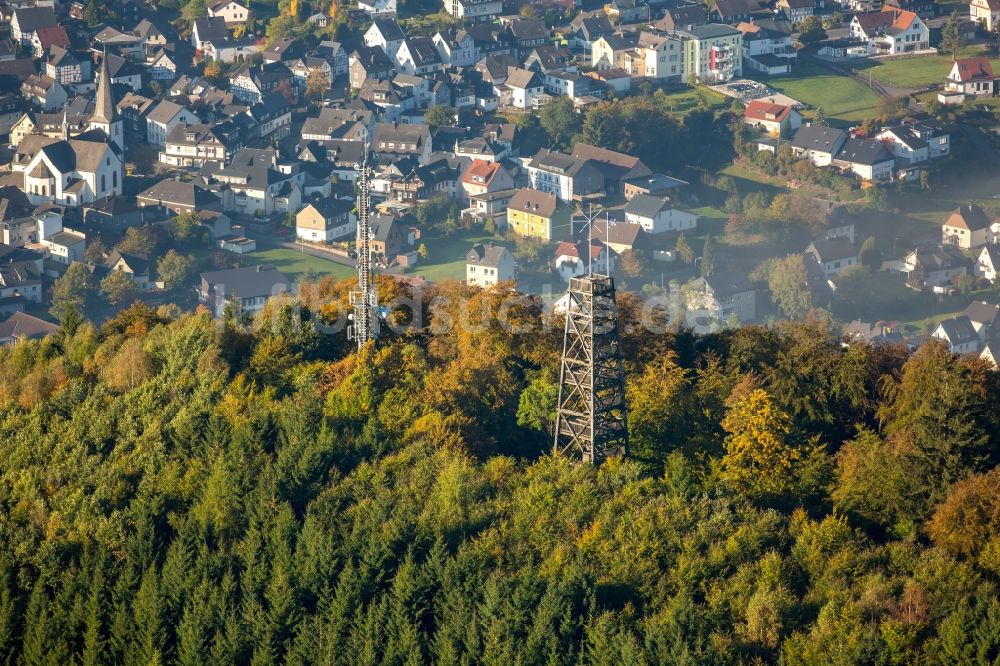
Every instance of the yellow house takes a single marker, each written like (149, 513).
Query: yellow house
(537, 214)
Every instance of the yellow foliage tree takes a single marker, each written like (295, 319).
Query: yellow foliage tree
(759, 458)
(332, 13)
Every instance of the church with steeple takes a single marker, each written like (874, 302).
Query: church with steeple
(106, 116)
(77, 170)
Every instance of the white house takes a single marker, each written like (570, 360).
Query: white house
(818, 143)
(575, 259)
(985, 12)
(326, 220)
(988, 264)
(968, 227)
(378, 7)
(657, 214)
(386, 35)
(163, 118)
(890, 31)
(230, 11)
(487, 265)
(720, 297)
(834, 255)
(959, 334)
(564, 175)
(524, 85)
(474, 10)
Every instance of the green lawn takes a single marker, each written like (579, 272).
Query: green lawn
(917, 71)
(446, 260)
(296, 264)
(839, 96)
(679, 102)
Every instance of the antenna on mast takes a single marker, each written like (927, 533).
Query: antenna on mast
(365, 320)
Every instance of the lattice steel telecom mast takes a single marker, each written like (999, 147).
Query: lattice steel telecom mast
(591, 418)
(365, 320)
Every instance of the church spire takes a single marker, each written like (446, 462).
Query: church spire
(104, 110)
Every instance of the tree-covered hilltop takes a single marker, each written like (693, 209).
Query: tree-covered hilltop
(178, 490)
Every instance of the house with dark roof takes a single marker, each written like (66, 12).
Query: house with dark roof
(394, 139)
(21, 326)
(208, 29)
(959, 334)
(474, 10)
(720, 297)
(194, 145)
(232, 12)
(657, 214)
(867, 158)
(833, 255)
(326, 220)
(935, 267)
(985, 13)
(386, 35)
(284, 51)
(137, 268)
(538, 214)
(179, 197)
(587, 28)
(619, 236)
(487, 264)
(67, 67)
(369, 62)
(163, 118)
(985, 318)
(969, 227)
(796, 11)
(243, 290)
(418, 55)
(917, 142)
(682, 17)
(46, 37)
(26, 21)
(521, 88)
(617, 168)
(569, 178)
(388, 239)
(818, 143)
(988, 262)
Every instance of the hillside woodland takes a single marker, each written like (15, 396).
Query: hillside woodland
(175, 489)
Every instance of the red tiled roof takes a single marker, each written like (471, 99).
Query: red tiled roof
(901, 17)
(53, 35)
(761, 110)
(575, 250)
(481, 172)
(971, 69)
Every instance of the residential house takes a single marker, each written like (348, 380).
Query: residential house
(485, 176)
(576, 259)
(163, 118)
(657, 214)
(959, 334)
(251, 82)
(867, 158)
(833, 255)
(626, 11)
(396, 140)
(112, 213)
(163, 67)
(456, 48)
(43, 39)
(877, 333)
(682, 16)
(538, 214)
(585, 29)
(44, 91)
(916, 143)
(890, 32)
(617, 168)
(526, 34)
(387, 238)
(721, 297)
(988, 263)
(243, 290)
(25, 21)
(525, 87)
(657, 185)
(231, 50)
(818, 143)
(122, 71)
(609, 51)
(775, 119)
(232, 12)
(620, 237)
(208, 29)
(326, 220)
(422, 182)
(567, 177)
(968, 227)
(385, 34)
(986, 13)
(194, 145)
(487, 265)
(308, 66)
(378, 7)
(418, 55)
(150, 36)
(985, 318)
(767, 47)
(254, 185)
(179, 197)
(20, 276)
(935, 268)
(137, 268)
(66, 67)
(369, 62)
(21, 326)
(474, 10)
(285, 51)
(65, 246)
(972, 77)
(273, 117)
(796, 11)
(336, 55)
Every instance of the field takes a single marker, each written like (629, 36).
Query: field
(446, 260)
(296, 264)
(679, 102)
(839, 96)
(915, 72)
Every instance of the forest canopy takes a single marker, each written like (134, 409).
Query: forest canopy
(176, 489)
